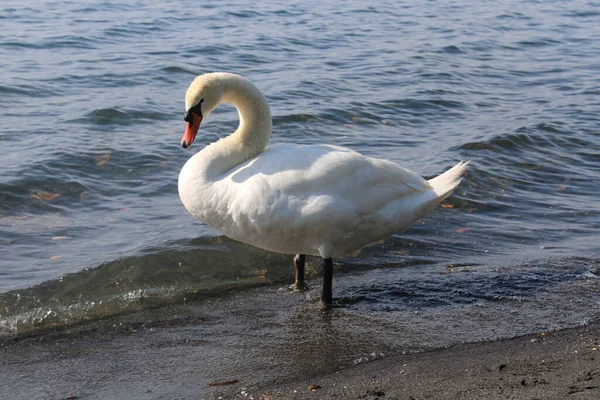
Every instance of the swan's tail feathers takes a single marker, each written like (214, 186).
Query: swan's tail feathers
(445, 184)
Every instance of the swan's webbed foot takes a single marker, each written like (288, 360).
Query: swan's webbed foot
(325, 307)
(326, 294)
(299, 284)
(299, 287)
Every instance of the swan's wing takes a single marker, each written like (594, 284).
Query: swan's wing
(368, 182)
(318, 180)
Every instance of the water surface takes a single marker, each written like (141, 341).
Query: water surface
(91, 225)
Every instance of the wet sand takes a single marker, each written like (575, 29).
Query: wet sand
(557, 365)
(267, 343)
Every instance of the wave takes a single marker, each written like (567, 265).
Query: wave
(474, 283)
(202, 268)
(27, 90)
(121, 117)
(211, 267)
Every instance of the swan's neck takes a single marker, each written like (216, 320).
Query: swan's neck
(252, 134)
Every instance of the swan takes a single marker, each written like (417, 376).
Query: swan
(318, 199)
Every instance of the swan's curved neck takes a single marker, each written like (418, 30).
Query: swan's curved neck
(252, 134)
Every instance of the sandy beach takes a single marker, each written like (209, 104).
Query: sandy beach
(557, 365)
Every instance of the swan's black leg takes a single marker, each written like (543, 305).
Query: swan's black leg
(299, 261)
(326, 295)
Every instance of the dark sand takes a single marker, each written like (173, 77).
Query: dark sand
(557, 365)
(277, 344)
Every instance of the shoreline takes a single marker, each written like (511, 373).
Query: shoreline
(555, 365)
(267, 343)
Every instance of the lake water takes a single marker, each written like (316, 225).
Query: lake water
(91, 106)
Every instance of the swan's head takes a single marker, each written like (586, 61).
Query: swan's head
(203, 95)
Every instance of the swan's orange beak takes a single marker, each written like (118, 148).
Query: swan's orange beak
(191, 130)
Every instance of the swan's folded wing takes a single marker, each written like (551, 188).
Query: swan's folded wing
(301, 174)
(374, 183)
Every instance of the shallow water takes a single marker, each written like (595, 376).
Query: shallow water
(90, 220)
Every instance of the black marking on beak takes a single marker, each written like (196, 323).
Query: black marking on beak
(188, 116)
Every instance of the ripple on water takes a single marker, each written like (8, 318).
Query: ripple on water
(92, 113)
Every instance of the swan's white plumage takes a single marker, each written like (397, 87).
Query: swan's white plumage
(312, 199)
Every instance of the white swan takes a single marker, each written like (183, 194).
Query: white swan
(294, 199)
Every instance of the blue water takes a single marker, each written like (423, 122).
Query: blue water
(91, 106)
